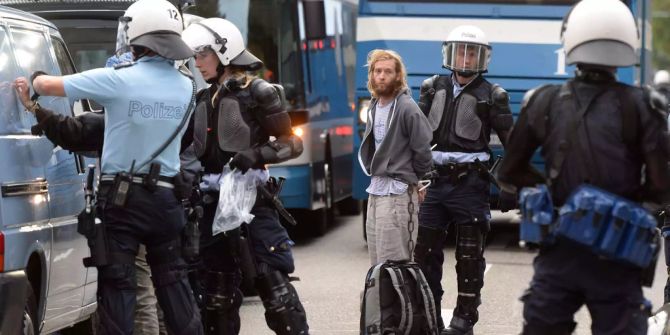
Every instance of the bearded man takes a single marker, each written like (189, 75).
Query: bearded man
(396, 152)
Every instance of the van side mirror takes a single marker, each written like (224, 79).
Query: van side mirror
(315, 19)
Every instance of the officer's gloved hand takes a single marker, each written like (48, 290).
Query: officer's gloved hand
(32, 79)
(244, 160)
(507, 201)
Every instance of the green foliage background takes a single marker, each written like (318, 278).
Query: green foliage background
(660, 23)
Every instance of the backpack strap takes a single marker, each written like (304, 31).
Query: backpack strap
(397, 279)
(427, 296)
(630, 121)
(570, 102)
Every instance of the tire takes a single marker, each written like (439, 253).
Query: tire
(30, 312)
(349, 206)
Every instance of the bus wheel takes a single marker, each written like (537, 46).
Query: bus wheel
(349, 206)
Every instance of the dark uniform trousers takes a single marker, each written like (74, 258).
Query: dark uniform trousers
(270, 247)
(156, 220)
(462, 202)
(568, 275)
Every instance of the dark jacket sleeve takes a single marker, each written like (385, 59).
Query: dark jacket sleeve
(276, 122)
(418, 130)
(515, 169)
(81, 133)
(654, 142)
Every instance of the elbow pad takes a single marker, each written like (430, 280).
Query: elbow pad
(502, 122)
(499, 97)
(281, 150)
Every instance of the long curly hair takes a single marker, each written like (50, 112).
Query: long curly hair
(381, 55)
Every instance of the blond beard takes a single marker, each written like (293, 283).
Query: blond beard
(388, 91)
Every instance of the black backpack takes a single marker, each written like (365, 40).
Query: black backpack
(397, 300)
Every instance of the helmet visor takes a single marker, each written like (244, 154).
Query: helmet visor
(122, 39)
(466, 57)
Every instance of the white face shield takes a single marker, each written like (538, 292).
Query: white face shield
(466, 57)
(122, 39)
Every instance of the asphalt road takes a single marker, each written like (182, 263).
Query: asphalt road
(332, 270)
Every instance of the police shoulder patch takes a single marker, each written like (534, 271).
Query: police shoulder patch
(124, 65)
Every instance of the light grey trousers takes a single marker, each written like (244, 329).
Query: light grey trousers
(387, 226)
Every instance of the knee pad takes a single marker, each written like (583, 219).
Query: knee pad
(535, 328)
(470, 240)
(222, 291)
(119, 276)
(429, 240)
(167, 266)
(284, 313)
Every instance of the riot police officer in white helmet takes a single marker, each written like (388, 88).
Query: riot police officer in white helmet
(598, 137)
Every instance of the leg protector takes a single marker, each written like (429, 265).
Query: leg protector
(470, 266)
(173, 291)
(429, 254)
(222, 303)
(284, 313)
(533, 328)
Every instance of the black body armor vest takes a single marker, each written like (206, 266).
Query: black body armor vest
(465, 122)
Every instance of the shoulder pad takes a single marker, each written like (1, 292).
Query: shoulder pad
(263, 92)
(533, 92)
(655, 99)
(429, 82)
(183, 69)
(124, 65)
(499, 96)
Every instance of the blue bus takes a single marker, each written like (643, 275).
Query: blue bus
(524, 35)
(307, 46)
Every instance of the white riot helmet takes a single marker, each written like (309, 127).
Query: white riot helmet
(600, 32)
(153, 24)
(223, 37)
(662, 77)
(466, 50)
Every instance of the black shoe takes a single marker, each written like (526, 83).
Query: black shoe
(458, 326)
(455, 331)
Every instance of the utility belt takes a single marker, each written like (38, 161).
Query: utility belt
(611, 226)
(458, 171)
(166, 182)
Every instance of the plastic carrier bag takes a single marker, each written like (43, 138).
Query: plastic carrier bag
(237, 195)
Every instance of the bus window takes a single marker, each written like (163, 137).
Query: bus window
(13, 120)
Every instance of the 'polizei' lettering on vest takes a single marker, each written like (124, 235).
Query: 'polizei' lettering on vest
(157, 111)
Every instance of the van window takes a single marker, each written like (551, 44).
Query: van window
(33, 52)
(62, 57)
(13, 119)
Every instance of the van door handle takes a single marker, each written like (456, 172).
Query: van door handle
(39, 186)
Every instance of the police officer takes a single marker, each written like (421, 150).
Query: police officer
(462, 109)
(592, 130)
(233, 121)
(133, 206)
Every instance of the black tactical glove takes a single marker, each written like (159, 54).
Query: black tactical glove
(244, 160)
(507, 201)
(32, 79)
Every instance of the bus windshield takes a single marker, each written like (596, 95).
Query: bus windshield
(270, 31)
